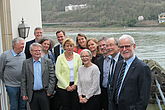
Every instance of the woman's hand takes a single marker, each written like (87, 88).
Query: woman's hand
(69, 88)
(73, 87)
(82, 100)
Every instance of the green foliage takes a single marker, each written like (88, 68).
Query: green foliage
(104, 12)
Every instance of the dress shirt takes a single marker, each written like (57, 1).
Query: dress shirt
(37, 75)
(106, 70)
(61, 49)
(128, 62)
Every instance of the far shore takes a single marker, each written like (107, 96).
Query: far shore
(102, 29)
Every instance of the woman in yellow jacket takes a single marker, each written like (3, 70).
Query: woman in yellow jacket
(67, 74)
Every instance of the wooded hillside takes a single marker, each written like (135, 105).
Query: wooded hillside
(104, 12)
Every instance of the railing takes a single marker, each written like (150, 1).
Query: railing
(161, 94)
(3, 97)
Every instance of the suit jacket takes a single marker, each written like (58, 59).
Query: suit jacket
(99, 63)
(27, 51)
(135, 91)
(56, 51)
(48, 77)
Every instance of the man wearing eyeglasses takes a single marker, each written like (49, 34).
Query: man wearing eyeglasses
(113, 51)
(132, 80)
(38, 79)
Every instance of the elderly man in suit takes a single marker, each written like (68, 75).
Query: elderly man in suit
(132, 80)
(38, 79)
(112, 50)
(38, 36)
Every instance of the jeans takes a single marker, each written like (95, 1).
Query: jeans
(16, 102)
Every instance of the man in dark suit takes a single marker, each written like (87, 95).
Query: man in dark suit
(58, 49)
(113, 50)
(38, 36)
(132, 80)
(103, 62)
(38, 79)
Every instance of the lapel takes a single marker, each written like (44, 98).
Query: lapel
(58, 50)
(43, 64)
(116, 74)
(120, 57)
(30, 65)
(130, 71)
(102, 63)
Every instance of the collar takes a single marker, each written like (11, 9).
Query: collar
(116, 57)
(129, 61)
(15, 54)
(107, 57)
(39, 60)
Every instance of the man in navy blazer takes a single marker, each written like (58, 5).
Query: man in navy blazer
(58, 49)
(113, 51)
(130, 90)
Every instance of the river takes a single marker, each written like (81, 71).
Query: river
(150, 43)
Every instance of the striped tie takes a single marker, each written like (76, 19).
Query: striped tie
(119, 81)
(110, 77)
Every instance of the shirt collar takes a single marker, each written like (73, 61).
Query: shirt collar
(37, 61)
(129, 61)
(15, 54)
(116, 57)
(107, 57)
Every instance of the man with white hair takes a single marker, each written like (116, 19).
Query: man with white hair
(10, 73)
(132, 80)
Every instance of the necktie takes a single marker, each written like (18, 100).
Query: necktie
(110, 77)
(120, 78)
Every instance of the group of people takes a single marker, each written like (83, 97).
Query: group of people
(92, 74)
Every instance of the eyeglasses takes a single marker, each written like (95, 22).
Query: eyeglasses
(36, 50)
(125, 46)
(84, 56)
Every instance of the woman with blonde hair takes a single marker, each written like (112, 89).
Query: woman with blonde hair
(92, 45)
(67, 74)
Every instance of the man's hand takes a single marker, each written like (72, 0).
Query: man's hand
(25, 98)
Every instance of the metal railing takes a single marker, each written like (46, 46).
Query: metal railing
(161, 94)
(3, 97)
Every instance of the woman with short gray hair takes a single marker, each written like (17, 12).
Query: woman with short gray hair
(88, 82)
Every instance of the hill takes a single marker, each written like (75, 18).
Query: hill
(102, 12)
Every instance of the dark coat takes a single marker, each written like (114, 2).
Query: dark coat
(56, 52)
(27, 51)
(135, 91)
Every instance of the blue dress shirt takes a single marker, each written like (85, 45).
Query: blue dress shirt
(37, 75)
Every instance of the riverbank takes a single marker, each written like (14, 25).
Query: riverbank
(102, 29)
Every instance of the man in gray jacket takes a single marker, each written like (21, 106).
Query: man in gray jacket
(10, 73)
(38, 79)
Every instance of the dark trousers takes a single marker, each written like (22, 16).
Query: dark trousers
(40, 101)
(104, 99)
(55, 103)
(69, 100)
(92, 104)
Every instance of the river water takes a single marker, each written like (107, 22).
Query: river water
(149, 44)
